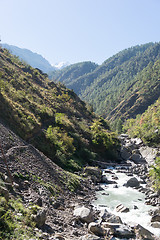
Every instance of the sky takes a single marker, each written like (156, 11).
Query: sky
(79, 30)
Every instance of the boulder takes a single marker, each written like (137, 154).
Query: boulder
(40, 218)
(4, 192)
(121, 208)
(149, 154)
(155, 218)
(123, 231)
(89, 237)
(132, 182)
(137, 141)
(136, 158)
(142, 233)
(104, 179)
(96, 228)
(84, 214)
(155, 224)
(94, 172)
(109, 217)
(126, 152)
(58, 236)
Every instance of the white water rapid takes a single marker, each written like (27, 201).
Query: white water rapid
(110, 197)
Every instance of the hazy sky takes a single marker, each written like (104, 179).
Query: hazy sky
(79, 30)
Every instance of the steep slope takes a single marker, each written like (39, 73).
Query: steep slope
(147, 125)
(117, 78)
(70, 75)
(50, 116)
(31, 58)
(42, 192)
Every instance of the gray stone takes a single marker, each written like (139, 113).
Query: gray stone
(155, 224)
(104, 179)
(40, 218)
(4, 192)
(109, 217)
(89, 237)
(149, 154)
(94, 172)
(96, 228)
(132, 182)
(155, 218)
(123, 231)
(142, 233)
(121, 208)
(84, 214)
(137, 141)
(136, 158)
(126, 153)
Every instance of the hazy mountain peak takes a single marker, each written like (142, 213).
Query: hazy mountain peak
(34, 59)
(61, 65)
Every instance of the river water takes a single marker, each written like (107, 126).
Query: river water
(110, 197)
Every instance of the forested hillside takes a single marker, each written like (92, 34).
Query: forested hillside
(70, 75)
(124, 85)
(50, 116)
(147, 125)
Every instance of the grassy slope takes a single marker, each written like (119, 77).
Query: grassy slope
(50, 116)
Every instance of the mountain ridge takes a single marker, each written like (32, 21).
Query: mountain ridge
(34, 59)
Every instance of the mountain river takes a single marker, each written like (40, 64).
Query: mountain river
(110, 197)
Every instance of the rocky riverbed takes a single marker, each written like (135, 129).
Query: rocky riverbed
(67, 215)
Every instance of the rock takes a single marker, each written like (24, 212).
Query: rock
(114, 177)
(130, 145)
(112, 226)
(109, 217)
(99, 188)
(137, 141)
(56, 204)
(121, 208)
(95, 228)
(58, 236)
(123, 231)
(106, 194)
(123, 136)
(39, 201)
(142, 233)
(89, 237)
(40, 218)
(7, 179)
(4, 192)
(136, 158)
(132, 182)
(94, 172)
(149, 154)
(155, 224)
(125, 153)
(104, 179)
(108, 171)
(135, 207)
(155, 218)
(84, 214)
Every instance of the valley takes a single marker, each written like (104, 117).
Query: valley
(54, 133)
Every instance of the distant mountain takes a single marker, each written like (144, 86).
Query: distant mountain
(61, 65)
(70, 75)
(123, 86)
(31, 58)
